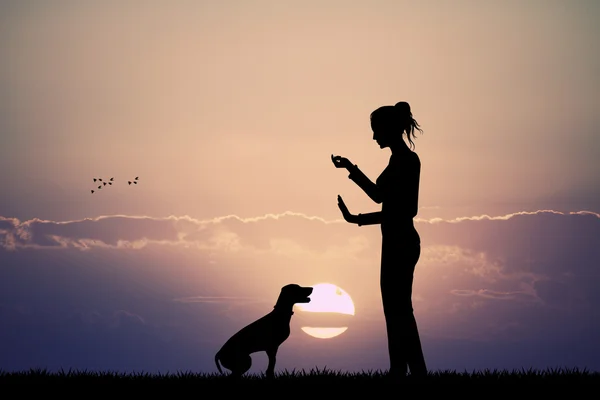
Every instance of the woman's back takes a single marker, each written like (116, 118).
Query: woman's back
(399, 186)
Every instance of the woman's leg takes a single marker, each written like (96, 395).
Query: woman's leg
(416, 360)
(398, 262)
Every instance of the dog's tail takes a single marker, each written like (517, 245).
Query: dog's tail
(217, 356)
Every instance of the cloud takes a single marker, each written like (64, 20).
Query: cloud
(119, 230)
(179, 286)
(490, 294)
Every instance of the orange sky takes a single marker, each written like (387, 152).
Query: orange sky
(235, 107)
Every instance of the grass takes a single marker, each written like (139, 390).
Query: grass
(294, 378)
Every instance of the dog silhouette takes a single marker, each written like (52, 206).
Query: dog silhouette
(265, 334)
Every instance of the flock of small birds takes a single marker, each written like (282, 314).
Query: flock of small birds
(110, 182)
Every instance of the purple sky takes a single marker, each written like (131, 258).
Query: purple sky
(163, 294)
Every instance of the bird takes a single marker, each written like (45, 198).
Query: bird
(100, 179)
(110, 183)
(112, 179)
(92, 190)
(94, 179)
(129, 182)
(104, 183)
(136, 178)
(100, 187)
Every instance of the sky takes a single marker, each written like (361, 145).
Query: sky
(228, 112)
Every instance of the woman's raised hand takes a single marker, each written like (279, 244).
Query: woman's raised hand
(348, 217)
(341, 162)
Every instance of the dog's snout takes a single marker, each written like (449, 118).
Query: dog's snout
(308, 292)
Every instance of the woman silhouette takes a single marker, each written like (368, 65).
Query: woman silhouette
(397, 190)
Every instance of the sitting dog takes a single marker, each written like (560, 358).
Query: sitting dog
(265, 334)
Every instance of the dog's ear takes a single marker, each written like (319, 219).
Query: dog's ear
(289, 287)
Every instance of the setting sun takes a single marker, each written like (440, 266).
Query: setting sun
(327, 298)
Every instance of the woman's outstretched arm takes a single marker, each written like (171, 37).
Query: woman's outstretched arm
(369, 218)
(365, 183)
(360, 219)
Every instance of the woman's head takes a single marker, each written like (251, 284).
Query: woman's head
(390, 122)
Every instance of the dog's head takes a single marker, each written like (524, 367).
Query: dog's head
(294, 293)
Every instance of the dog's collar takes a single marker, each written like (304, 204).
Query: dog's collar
(281, 311)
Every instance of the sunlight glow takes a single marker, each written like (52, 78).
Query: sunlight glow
(324, 333)
(327, 298)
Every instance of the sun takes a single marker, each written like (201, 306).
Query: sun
(329, 300)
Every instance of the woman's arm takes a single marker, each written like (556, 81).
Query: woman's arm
(369, 218)
(360, 219)
(365, 183)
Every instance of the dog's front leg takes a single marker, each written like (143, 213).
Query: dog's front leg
(272, 354)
